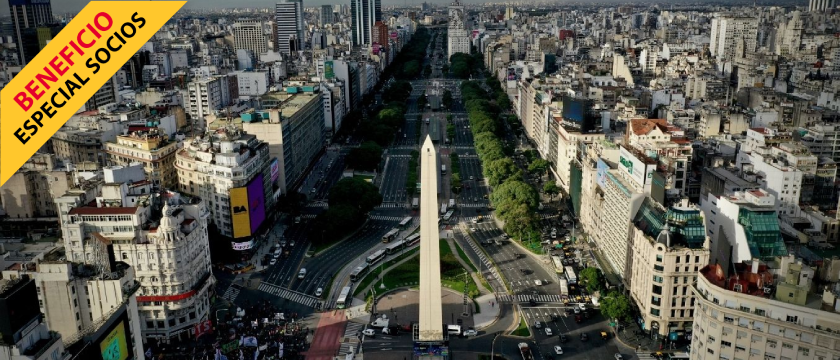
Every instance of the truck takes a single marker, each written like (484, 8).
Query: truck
(443, 169)
(442, 209)
(451, 203)
(381, 322)
(525, 351)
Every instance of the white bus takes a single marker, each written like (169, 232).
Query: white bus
(358, 272)
(390, 235)
(558, 264)
(442, 209)
(415, 204)
(395, 247)
(411, 240)
(448, 215)
(344, 298)
(570, 275)
(376, 257)
(404, 223)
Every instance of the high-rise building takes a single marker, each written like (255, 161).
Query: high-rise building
(364, 15)
(728, 32)
(249, 35)
(380, 34)
(153, 149)
(24, 334)
(27, 17)
(204, 97)
(821, 5)
(327, 15)
(458, 38)
(289, 18)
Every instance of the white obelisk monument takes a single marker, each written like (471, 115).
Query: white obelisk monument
(431, 308)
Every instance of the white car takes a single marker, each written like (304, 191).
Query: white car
(273, 261)
(558, 350)
(369, 332)
(577, 310)
(619, 357)
(537, 282)
(473, 229)
(548, 331)
(470, 332)
(319, 292)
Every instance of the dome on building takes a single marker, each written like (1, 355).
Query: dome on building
(167, 221)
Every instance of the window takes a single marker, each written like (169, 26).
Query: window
(725, 343)
(791, 318)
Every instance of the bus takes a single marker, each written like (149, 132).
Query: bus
(395, 247)
(390, 235)
(344, 298)
(404, 223)
(442, 209)
(411, 240)
(376, 257)
(358, 272)
(570, 275)
(415, 203)
(558, 264)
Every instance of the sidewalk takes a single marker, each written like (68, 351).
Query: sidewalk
(489, 313)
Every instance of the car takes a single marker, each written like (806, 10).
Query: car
(369, 332)
(319, 292)
(563, 338)
(538, 325)
(619, 357)
(472, 177)
(548, 331)
(292, 243)
(283, 244)
(558, 350)
(584, 337)
(470, 332)
(273, 261)
(537, 282)
(473, 229)
(577, 310)
(314, 190)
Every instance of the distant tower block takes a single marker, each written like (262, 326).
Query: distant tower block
(431, 308)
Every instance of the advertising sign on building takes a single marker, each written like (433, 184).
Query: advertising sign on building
(114, 346)
(239, 212)
(640, 172)
(256, 203)
(329, 70)
(601, 177)
(275, 170)
(241, 246)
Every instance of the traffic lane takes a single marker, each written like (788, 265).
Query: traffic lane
(315, 175)
(332, 176)
(393, 183)
(518, 268)
(280, 273)
(332, 260)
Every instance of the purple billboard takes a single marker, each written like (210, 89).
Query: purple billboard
(256, 203)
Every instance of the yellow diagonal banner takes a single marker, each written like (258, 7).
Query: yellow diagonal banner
(69, 70)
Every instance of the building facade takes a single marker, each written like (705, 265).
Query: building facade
(363, 16)
(288, 16)
(152, 149)
(458, 38)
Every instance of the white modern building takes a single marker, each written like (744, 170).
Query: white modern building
(252, 83)
(249, 35)
(458, 38)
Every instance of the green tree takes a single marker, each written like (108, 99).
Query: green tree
(592, 278)
(515, 190)
(616, 306)
(355, 192)
(445, 69)
(551, 189)
(365, 157)
(422, 100)
(538, 166)
(503, 101)
(447, 99)
(411, 69)
(398, 91)
(499, 171)
(427, 71)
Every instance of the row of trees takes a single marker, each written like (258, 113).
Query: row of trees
(464, 65)
(515, 201)
(410, 59)
(455, 179)
(349, 202)
(615, 305)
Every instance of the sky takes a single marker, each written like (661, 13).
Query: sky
(64, 6)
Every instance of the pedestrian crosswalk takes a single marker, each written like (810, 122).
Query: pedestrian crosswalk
(402, 156)
(352, 332)
(386, 218)
(403, 147)
(527, 298)
(475, 205)
(308, 216)
(469, 219)
(462, 147)
(390, 205)
(318, 205)
(488, 264)
(231, 293)
(466, 156)
(287, 294)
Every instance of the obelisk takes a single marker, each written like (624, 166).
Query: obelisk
(431, 308)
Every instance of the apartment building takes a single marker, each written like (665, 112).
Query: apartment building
(764, 311)
(25, 335)
(151, 148)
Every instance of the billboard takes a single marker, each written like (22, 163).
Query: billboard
(394, 35)
(573, 109)
(640, 172)
(430, 349)
(275, 170)
(601, 177)
(114, 346)
(329, 70)
(256, 202)
(241, 246)
(239, 212)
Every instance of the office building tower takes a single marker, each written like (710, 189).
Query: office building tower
(327, 15)
(458, 39)
(29, 19)
(249, 35)
(820, 5)
(364, 15)
(289, 18)
(728, 32)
